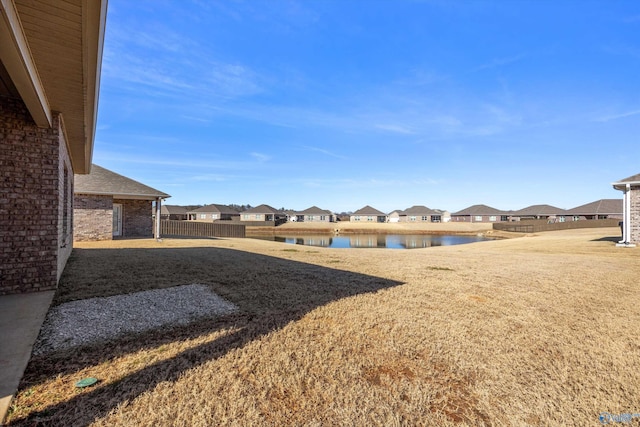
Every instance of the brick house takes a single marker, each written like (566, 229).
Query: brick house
(600, 209)
(108, 205)
(480, 213)
(48, 104)
(631, 209)
(315, 214)
(173, 212)
(263, 213)
(368, 214)
(547, 212)
(214, 212)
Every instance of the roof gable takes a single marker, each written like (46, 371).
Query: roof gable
(262, 209)
(539, 210)
(479, 210)
(368, 210)
(419, 210)
(105, 182)
(314, 210)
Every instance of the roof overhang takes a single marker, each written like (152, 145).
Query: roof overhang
(622, 186)
(126, 196)
(52, 52)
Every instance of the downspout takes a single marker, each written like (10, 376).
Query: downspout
(157, 230)
(627, 215)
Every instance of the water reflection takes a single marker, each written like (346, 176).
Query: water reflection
(390, 241)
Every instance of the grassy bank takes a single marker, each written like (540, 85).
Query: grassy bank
(538, 330)
(347, 228)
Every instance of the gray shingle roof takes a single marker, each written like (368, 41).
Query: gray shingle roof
(105, 182)
(172, 210)
(223, 209)
(420, 210)
(599, 207)
(368, 210)
(262, 209)
(314, 210)
(537, 210)
(479, 210)
(620, 185)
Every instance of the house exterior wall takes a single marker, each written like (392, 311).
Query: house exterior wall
(35, 202)
(93, 217)
(136, 218)
(634, 199)
(318, 218)
(479, 218)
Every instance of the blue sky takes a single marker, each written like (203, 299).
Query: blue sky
(342, 104)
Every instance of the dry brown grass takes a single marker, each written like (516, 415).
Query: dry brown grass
(541, 330)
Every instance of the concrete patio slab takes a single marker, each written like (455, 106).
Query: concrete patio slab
(21, 317)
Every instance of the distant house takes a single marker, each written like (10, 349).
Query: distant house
(263, 213)
(547, 212)
(315, 214)
(397, 216)
(600, 209)
(480, 213)
(631, 209)
(421, 213)
(108, 205)
(213, 212)
(368, 214)
(173, 212)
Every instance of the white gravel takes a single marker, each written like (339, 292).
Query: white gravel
(100, 319)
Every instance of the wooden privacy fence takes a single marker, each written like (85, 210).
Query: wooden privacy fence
(200, 229)
(535, 226)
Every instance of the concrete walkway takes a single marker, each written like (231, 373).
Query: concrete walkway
(20, 319)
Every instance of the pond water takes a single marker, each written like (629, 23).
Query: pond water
(389, 241)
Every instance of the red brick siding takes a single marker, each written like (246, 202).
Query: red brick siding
(65, 204)
(93, 217)
(30, 161)
(136, 218)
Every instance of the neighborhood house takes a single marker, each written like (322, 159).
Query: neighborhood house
(108, 205)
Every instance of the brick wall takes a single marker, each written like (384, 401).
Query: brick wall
(31, 258)
(634, 195)
(93, 217)
(136, 218)
(65, 203)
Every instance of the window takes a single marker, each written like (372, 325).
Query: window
(203, 216)
(493, 218)
(412, 218)
(246, 217)
(504, 218)
(425, 218)
(214, 216)
(576, 218)
(370, 218)
(478, 218)
(356, 218)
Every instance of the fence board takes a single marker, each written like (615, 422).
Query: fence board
(536, 226)
(200, 229)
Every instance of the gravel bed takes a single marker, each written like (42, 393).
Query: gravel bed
(100, 319)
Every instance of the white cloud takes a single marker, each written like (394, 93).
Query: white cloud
(605, 119)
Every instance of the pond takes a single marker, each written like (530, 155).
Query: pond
(389, 241)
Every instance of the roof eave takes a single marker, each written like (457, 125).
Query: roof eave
(16, 56)
(126, 195)
(623, 185)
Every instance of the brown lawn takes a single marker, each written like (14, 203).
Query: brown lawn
(538, 330)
